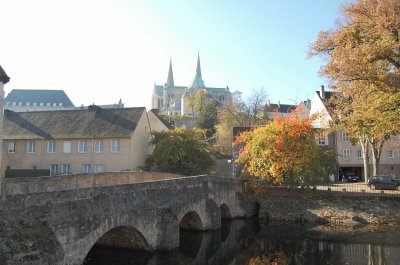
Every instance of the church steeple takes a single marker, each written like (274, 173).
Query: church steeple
(198, 68)
(170, 80)
(198, 79)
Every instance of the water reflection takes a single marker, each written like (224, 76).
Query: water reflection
(241, 241)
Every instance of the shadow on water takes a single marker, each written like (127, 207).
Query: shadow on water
(239, 241)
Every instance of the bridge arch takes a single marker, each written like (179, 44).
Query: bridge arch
(123, 237)
(191, 221)
(109, 230)
(225, 212)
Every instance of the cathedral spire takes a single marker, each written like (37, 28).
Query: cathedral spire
(198, 79)
(198, 68)
(170, 80)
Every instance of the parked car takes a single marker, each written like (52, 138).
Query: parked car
(350, 177)
(383, 182)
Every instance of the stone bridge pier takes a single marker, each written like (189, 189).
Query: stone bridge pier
(60, 226)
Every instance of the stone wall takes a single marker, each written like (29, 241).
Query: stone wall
(328, 207)
(78, 181)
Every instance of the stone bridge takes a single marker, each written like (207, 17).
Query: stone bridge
(57, 220)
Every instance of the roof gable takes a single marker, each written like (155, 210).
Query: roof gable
(94, 122)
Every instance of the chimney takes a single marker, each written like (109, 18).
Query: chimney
(269, 103)
(279, 104)
(322, 92)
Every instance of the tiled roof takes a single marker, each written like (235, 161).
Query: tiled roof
(163, 121)
(94, 122)
(3, 76)
(282, 108)
(39, 96)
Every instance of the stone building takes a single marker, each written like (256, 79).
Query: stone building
(171, 99)
(78, 140)
(3, 80)
(349, 153)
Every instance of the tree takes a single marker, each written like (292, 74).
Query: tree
(239, 113)
(207, 118)
(179, 151)
(283, 151)
(255, 106)
(191, 103)
(363, 64)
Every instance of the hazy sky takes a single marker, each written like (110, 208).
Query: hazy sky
(101, 50)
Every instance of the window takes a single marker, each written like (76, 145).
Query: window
(321, 139)
(48, 104)
(19, 103)
(86, 168)
(51, 147)
(8, 103)
(28, 104)
(359, 154)
(14, 103)
(30, 147)
(34, 104)
(346, 154)
(53, 169)
(390, 153)
(345, 137)
(60, 104)
(82, 147)
(11, 147)
(66, 169)
(41, 104)
(115, 147)
(98, 168)
(54, 104)
(67, 147)
(98, 147)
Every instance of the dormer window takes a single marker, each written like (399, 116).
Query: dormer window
(34, 104)
(28, 104)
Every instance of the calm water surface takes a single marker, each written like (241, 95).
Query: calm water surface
(239, 241)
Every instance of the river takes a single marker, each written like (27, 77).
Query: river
(241, 241)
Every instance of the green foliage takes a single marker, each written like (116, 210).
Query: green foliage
(179, 151)
(207, 118)
(324, 164)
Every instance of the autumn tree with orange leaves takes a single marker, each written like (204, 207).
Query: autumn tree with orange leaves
(284, 151)
(363, 65)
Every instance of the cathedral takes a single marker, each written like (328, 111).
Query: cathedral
(172, 100)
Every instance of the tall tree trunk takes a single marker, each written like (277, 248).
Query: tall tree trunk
(365, 153)
(376, 146)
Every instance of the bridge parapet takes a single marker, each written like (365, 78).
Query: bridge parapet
(13, 186)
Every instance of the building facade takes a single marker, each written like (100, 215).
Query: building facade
(349, 154)
(79, 140)
(172, 100)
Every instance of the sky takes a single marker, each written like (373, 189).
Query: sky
(100, 51)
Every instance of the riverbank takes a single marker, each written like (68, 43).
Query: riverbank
(322, 207)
